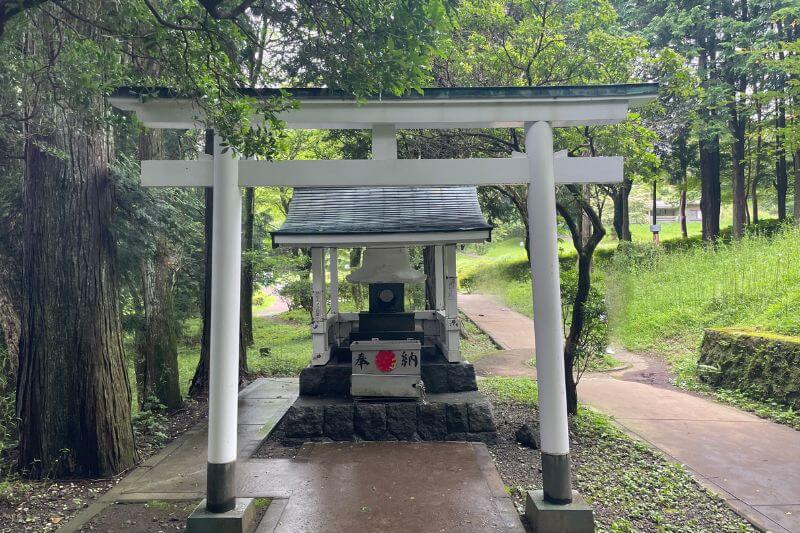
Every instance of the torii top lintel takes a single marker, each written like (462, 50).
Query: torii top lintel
(434, 108)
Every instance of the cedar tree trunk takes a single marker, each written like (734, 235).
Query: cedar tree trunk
(73, 396)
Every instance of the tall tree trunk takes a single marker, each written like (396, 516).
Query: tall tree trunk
(73, 395)
(737, 125)
(708, 146)
(796, 210)
(199, 386)
(157, 340)
(247, 267)
(710, 190)
(429, 267)
(682, 213)
(759, 159)
(781, 171)
(622, 220)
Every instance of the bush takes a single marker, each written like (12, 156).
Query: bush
(594, 337)
(297, 294)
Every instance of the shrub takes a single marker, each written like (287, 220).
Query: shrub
(297, 294)
(594, 337)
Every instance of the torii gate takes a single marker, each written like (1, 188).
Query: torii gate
(537, 109)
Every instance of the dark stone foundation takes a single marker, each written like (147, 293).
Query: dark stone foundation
(452, 407)
(463, 416)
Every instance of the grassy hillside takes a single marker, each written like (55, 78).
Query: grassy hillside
(662, 301)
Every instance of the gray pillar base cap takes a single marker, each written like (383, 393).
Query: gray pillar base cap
(556, 478)
(221, 487)
(237, 520)
(546, 517)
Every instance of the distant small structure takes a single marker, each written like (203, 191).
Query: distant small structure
(669, 212)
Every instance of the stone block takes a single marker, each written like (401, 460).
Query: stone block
(338, 423)
(460, 437)
(237, 520)
(480, 418)
(337, 380)
(461, 377)
(432, 421)
(370, 420)
(457, 418)
(435, 377)
(311, 379)
(546, 517)
(304, 421)
(402, 420)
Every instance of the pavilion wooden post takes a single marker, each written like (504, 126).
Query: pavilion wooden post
(452, 326)
(547, 315)
(438, 272)
(224, 358)
(334, 289)
(319, 328)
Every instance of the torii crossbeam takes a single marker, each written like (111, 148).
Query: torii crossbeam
(537, 109)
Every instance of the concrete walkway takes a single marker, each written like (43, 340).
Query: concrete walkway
(752, 463)
(331, 487)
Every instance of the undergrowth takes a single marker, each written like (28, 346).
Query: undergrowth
(631, 486)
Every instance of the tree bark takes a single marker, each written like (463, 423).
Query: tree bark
(157, 341)
(247, 267)
(796, 210)
(73, 395)
(759, 159)
(737, 125)
(781, 173)
(199, 386)
(622, 221)
(710, 190)
(429, 267)
(585, 250)
(682, 214)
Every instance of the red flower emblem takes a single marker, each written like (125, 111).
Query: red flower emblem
(385, 360)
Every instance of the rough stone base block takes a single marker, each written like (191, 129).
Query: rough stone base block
(546, 517)
(237, 520)
(462, 416)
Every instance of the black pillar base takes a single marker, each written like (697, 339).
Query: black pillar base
(221, 487)
(556, 480)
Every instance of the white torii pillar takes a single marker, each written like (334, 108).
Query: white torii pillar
(547, 315)
(224, 357)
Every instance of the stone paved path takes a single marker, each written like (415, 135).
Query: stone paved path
(752, 463)
(331, 487)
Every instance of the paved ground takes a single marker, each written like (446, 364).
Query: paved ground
(753, 463)
(367, 486)
(277, 307)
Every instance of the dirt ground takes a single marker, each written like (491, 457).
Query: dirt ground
(44, 505)
(630, 487)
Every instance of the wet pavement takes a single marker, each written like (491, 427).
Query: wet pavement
(752, 463)
(331, 487)
(385, 486)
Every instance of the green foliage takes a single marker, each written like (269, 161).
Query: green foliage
(663, 301)
(298, 294)
(590, 350)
